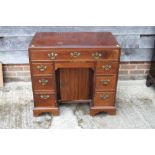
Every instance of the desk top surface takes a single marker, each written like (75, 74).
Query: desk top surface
(74, 40)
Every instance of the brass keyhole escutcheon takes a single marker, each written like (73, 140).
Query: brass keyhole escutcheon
(52, 55)
(75, 54)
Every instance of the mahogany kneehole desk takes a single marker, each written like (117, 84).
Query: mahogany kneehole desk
(74, 67)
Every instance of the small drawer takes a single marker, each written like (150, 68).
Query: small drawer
(104, 99)
(44, 99)
(105, 83)
(42, 68)
(43, 83)
(76, 54)
(105, 54)
(107, 68)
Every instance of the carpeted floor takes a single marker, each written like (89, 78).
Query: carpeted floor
(135, 109)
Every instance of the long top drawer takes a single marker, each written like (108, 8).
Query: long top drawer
(60, 55)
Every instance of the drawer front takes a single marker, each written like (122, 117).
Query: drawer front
(104, 99)
(74, 54)
(107, 67)
(105, 83)
(43, 83)
(44, 99)
(42, 68)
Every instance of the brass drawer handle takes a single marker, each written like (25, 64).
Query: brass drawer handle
(105, 82)
(43, 96)
(104, 96)
(75, 54)
(52, 55)
(106, 67)
(43, 82)
(41, 68)
(96, 55)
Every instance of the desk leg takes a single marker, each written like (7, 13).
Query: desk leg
(51, 110)
(95, 110)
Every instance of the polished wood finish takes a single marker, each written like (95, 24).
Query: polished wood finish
(79, 87)
(44, 99)
(43, 83)
(42, 69)
(106, 83)
(107, 67)
(104, 99)
(74, 40)
(72, 54)
(74, 67)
